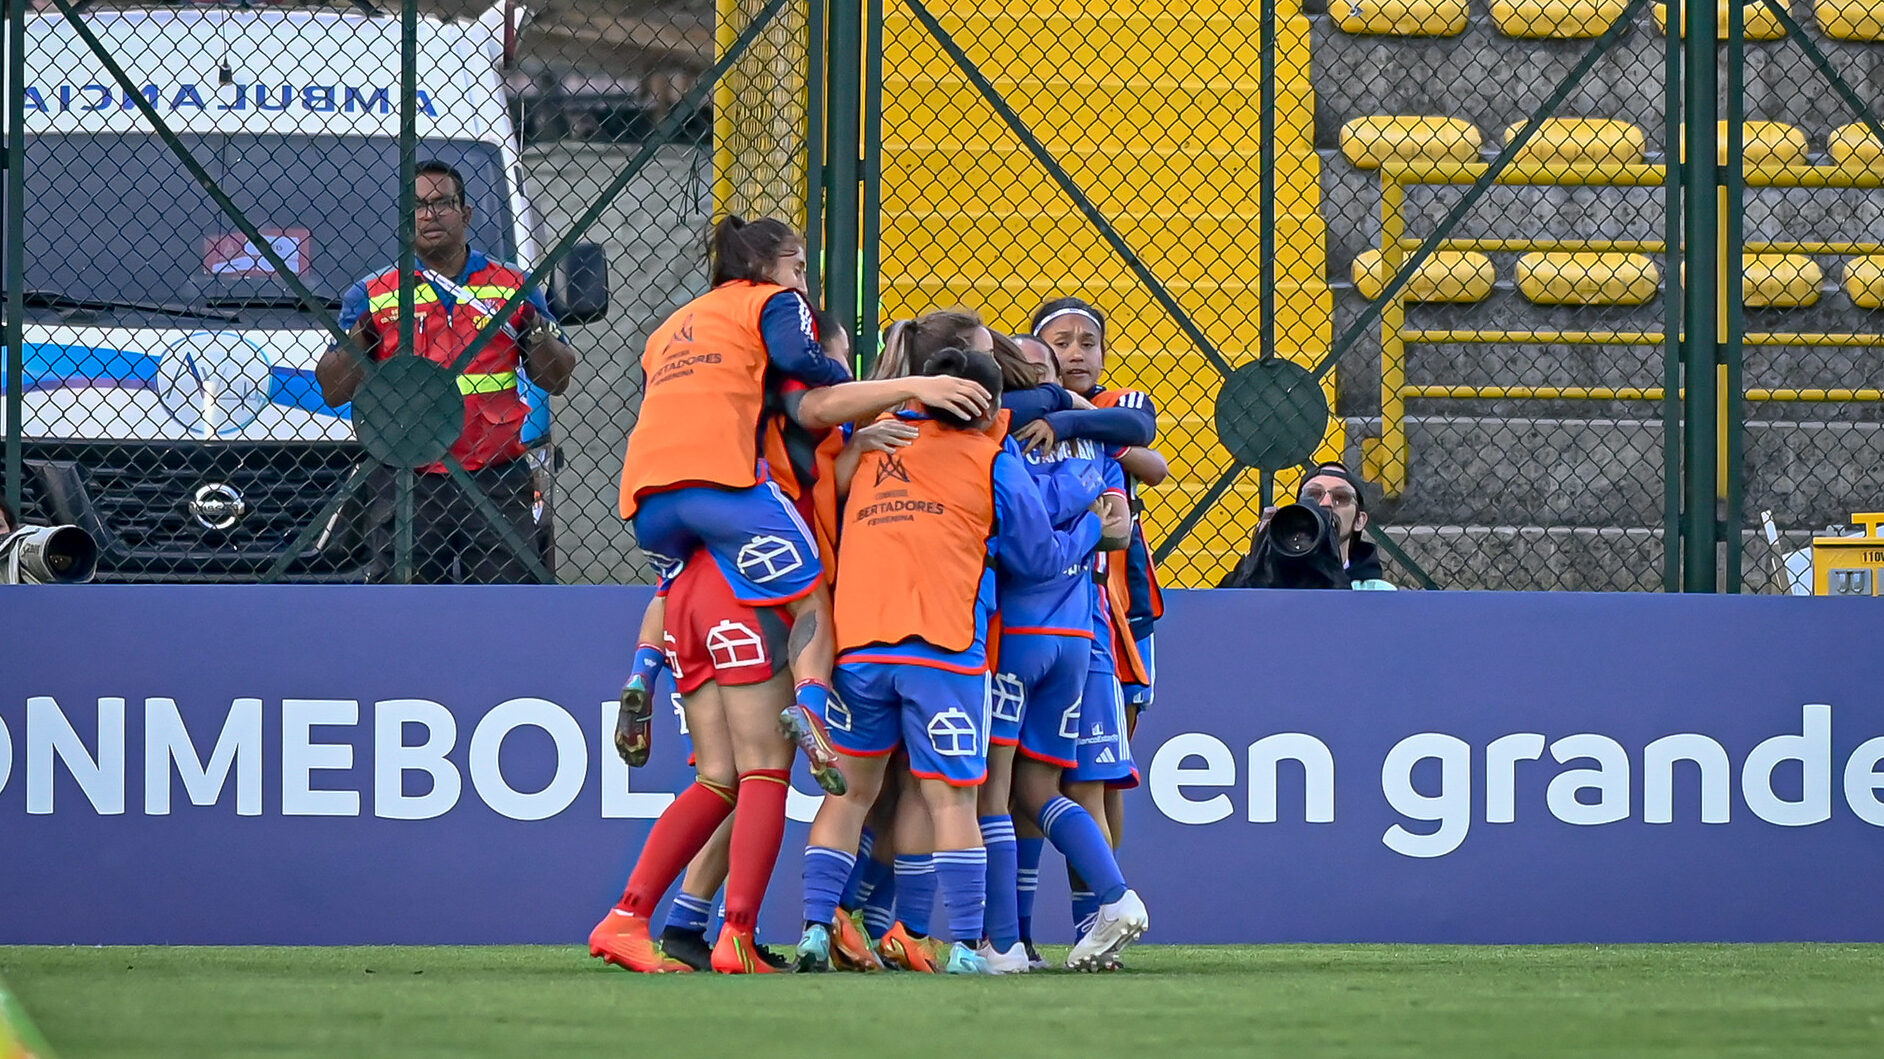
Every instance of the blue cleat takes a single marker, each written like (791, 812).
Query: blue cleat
(963, 960)
(814, 950)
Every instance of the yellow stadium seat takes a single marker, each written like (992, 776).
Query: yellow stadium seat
(1855, 145)
(1780, 281)
(1580, 141)
(1558, 19)
(1369, 141)
(1762, 143)
(1460, 276)
(1864, 281)
(1850, 19)
(1400, 18)
(1760, 22)
(1558, 278)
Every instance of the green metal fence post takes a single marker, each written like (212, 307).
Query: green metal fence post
(15, 249)
(817, 71)
(870, 175)
(845, 145)
(1267, 234)
(1701, 259)
(1672, 214)
(408, 234)
(1733, 265)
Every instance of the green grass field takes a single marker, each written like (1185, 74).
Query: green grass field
(1699, 1000)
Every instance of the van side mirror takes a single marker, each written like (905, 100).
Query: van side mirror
(579, 287)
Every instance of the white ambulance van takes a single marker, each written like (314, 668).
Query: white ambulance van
(169, 401)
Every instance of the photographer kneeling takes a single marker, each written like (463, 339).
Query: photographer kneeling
(1316, 541)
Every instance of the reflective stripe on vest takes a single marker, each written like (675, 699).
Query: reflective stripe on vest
(424, 294)
(494, 382)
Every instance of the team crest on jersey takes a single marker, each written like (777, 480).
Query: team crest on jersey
(891, 467)
(1007, 696)
(952, 733)
(767, 558)
(734, 645)
(685, 332)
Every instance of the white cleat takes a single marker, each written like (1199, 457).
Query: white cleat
(1013, 961)
(1117, 925)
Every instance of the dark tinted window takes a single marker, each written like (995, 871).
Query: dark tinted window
(118, 216)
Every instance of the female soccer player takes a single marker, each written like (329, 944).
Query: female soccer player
(923, 531)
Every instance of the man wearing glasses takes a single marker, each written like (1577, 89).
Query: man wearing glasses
(1337, 490)
(456, 294)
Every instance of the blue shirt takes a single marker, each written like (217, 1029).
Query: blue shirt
(791, 341)
(1099, 614)
(1070, 476)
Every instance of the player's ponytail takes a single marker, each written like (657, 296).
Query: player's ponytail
(963, 364)
(738, 249)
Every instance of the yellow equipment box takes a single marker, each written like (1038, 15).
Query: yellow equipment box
(1850, 566)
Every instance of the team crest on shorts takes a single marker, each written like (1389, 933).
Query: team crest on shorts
(952, 733)
(768, 558)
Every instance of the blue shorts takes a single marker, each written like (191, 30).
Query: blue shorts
(755, 536)
(1104, 752)
(1050, 671)
(941, 716)
(1139, 696)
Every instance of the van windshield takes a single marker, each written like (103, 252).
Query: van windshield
(117, 217)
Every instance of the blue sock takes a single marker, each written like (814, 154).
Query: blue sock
(915, 892)
(1003, 919)
(1074, 832)
(962, 875)
(825, 872)
(877, 876)
(690, 913)
(1028, 875)
(813, 696)
(1085, 907)
(879, 908)
(648, 663)
(860, 873)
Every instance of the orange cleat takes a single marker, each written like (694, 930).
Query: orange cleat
(622, 939)
(900, 948)
(850, 946)
(737, 953)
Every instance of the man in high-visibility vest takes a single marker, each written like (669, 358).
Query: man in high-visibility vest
(456, 294)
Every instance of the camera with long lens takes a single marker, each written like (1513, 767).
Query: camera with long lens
(48, 555)
(1299, 547)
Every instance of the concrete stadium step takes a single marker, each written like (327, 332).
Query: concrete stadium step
(1179, 180)
(1524, 558)
(1493, 80)
(1352, 201)
(1608, 472)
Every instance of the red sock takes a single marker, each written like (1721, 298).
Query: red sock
(679, 834)
(757, 832)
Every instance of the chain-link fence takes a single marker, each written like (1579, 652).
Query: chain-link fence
(206, 317)
(1441, 240)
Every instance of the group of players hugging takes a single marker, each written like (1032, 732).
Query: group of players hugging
(931, 582)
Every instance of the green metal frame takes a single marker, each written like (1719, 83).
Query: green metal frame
(15, 249)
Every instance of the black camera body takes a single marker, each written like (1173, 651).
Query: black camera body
(47, 555)
(1300, 547)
